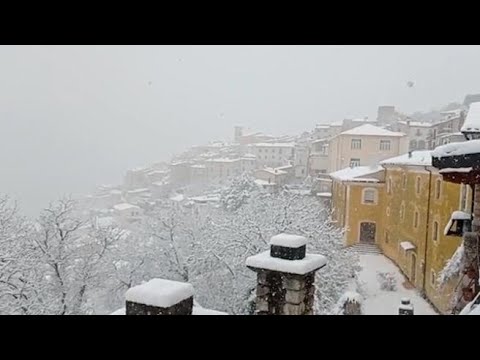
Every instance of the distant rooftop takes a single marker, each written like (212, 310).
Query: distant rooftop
(125, 206)
(359, 173)
(472, 121)
(417, 123)
(415, 158)
(273, 145)
(371, 130)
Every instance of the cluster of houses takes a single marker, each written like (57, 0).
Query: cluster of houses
(376, 174)
(411, 209)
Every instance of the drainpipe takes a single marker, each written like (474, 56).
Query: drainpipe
(426, 230)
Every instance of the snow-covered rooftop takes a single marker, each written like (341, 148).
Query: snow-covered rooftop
(274, 171)
(264, 182)
(308, 264)
(160, 292)
(422, 124)
(289, 145)
(178, 197)
(125, 206)
(138, 191)
(198, 166)
(324, 194)
(458, 148)
(223, 160)
(288, 240)
(407, 245)
(472, 120)
(371, 130)
(414, 158)
(350, 174)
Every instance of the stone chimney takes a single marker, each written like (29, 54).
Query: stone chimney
(160, 297)
(285, 277)
(405, 308)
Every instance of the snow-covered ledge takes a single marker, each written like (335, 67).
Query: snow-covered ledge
(285, 276)
(160, 297)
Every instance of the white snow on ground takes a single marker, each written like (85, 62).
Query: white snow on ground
(380, 302)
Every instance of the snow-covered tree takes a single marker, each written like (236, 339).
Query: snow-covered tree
(16, 294)
(238, 192)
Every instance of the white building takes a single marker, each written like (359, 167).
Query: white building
(127, 213)
(273, 154)
(136, 178)
(223, 169)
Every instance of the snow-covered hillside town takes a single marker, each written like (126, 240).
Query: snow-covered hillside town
(230, 181)
(356, 217)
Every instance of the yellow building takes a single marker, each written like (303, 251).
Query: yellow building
(357, 196)
(412, 207)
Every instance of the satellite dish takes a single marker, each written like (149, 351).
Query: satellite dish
(410, 84)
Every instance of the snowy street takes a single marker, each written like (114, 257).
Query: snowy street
(382, 302)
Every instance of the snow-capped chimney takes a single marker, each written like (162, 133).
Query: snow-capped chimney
(405, 308)
(285, 277)
(160, 297)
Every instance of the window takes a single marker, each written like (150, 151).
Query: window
(415, 219)
(356, 144)
(279, 151)
(438, 189)
(413, 144)
(418, 132)
(266, 157)
(273, 150)
(417, 185)
(387, 237)
(463, 196)
(354, 162)
(432, 277)
(369, 196)
(385, 145)
(259, 150)
(402, 211)
(435, 231)
(389, 185)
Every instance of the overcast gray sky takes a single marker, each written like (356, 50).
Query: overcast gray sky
(76, 116)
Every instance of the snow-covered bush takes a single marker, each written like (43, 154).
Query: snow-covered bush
(387, 281)
(453, 267)
(349, 297)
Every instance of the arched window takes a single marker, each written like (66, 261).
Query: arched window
(417, 185)
(438, 189)
(435, 231)
(415, 219)
(389, 185)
